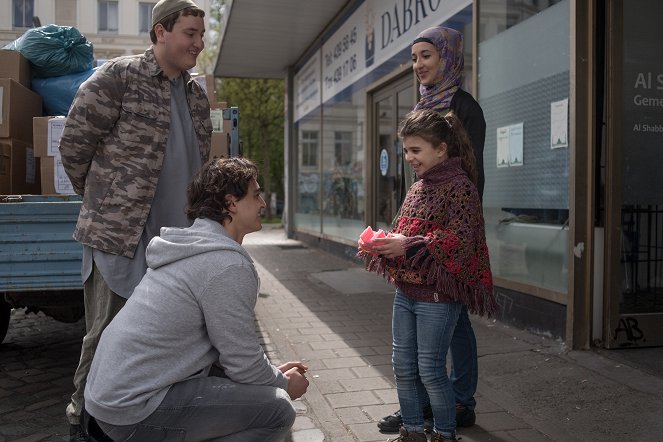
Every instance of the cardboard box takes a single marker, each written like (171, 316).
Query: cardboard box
(46, 133)
(220, 145)
(18, 168)
(19, 106)
(207, 83)
(15, 66)
(54, 179)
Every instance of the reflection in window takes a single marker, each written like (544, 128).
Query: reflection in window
(145, 16)
(307, 193)
(23, 13)
(343, 166)
(108, 18)
(499, 15)
(309, 148)
(343, 148)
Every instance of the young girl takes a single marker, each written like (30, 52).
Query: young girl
(437, 61)
(437, 258)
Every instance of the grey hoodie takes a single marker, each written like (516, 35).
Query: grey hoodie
(194, 307)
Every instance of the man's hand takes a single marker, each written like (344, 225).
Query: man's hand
(288, 365)
(297, 382)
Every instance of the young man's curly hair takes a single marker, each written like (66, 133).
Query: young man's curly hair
(217, 178)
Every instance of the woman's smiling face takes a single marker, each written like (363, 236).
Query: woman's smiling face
(425, 62)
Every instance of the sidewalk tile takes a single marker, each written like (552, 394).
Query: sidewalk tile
(377, 383)
(352, 399)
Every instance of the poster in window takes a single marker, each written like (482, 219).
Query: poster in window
(559, 124)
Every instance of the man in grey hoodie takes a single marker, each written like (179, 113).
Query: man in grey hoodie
(182, 360)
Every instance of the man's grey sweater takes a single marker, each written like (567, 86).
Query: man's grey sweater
(193, 308)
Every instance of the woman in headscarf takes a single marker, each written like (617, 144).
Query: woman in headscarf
(438, 62)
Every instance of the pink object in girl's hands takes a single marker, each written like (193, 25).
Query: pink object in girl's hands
(368, 236)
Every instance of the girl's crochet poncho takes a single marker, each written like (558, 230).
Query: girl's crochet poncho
(446, 257)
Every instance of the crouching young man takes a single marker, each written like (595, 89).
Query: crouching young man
(182, 360)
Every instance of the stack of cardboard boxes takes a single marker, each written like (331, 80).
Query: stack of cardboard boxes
(19, 170)
(220, 127)
(29, 155)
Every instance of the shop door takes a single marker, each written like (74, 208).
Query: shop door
(634, 175)
(392, 176)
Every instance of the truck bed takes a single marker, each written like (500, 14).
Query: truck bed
(37, 251)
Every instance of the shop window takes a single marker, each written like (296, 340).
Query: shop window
(524, 90)
(108, 16)
(145, 16)
(23, 13)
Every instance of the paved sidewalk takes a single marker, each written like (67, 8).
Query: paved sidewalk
(328, 311)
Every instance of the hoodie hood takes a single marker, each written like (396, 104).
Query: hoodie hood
(174, 244)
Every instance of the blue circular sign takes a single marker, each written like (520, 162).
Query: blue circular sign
(384, 162)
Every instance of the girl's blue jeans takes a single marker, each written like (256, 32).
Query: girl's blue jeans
(422, 333)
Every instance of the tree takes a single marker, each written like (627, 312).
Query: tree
(260, 103)
(261, 108)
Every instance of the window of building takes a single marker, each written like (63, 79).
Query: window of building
(23, 12)
(524, 84)
(309, 148)
(145, 16)
(108, 17)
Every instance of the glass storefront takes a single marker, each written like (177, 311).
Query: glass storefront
(523, 80)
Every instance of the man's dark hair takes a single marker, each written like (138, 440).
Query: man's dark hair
(169, 21)
(217, 178)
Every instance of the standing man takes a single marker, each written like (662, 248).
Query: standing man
(137, 131)
(182, 360)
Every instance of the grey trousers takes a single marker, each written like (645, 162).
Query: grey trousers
(213, 409)
(101, 306)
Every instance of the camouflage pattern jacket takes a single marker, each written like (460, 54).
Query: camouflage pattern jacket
(113, 146)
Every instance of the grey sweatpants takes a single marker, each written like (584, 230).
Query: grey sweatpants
(101, 306)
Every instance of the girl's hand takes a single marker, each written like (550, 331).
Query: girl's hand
(391, 247)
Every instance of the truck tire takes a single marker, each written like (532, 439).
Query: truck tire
(5, 312)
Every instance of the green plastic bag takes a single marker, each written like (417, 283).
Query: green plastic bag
(54, 50)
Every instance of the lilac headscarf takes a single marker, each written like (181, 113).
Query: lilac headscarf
(449, 44)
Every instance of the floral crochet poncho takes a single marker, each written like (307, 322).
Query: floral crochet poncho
(446, 254)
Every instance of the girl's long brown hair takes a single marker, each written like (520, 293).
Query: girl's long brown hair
(436, 128)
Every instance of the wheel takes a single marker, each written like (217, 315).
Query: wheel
(5, 312)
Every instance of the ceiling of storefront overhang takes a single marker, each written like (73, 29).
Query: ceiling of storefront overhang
(263, 37)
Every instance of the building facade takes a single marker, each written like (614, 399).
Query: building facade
(114, 27)
(572, 92)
